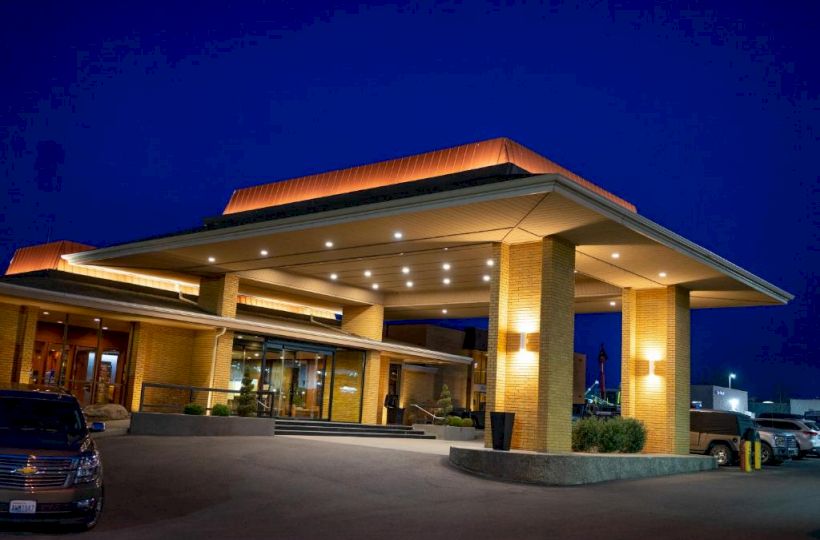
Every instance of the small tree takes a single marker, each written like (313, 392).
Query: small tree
(444, 405)
(246, 402)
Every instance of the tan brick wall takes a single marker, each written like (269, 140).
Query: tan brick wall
(532, 292)
(417, 387)
(455, 377)
(347, 373)
(217, 295)
(27, 333)
(201, 359)
(579, 378)
(372, 397)
(364, 321)
(655, 325)
(9, 316)
(161, 354)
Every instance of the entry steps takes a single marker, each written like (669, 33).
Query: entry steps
(288, 426)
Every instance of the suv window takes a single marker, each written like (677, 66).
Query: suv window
(714, 422)
(40, 423)
(788, 426)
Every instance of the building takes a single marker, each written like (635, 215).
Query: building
(802, 406)
(294, 281)
(720, 398)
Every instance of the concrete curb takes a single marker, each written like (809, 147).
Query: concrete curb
(183, 425)
(575, 468)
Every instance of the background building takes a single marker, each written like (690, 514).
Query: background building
(720, 398)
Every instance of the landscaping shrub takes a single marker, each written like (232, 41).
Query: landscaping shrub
(194, 408)
(246, 401)
(466, 422)
(220, 409)
(453, 421)
(624, 435)
(444, 405)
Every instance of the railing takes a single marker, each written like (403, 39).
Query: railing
(425, 411)
(162, 397)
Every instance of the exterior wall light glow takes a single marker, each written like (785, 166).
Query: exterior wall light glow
(405, 270)
(328, 244)
(522, 342)
(653, 356)
(398, 235)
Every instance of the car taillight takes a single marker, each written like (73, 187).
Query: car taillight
(810, 433)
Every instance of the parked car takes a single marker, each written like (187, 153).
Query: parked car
(777, 446)
(717, 433)
(50, 470)
(806, 432)
(814, 416)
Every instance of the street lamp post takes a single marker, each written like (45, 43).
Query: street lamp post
(731, 376)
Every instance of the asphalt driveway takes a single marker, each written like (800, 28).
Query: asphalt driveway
(286, 487)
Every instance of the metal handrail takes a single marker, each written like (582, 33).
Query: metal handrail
(425, 411)
(268, 410)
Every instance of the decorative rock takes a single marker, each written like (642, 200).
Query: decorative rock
(106, 411)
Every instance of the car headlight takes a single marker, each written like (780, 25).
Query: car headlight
(88, 469)
(780, 441)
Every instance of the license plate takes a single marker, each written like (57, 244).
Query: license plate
(22, 507)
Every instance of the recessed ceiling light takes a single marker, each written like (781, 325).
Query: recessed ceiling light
(328, 244)
(575, 271)
(264, 252)
(616, 255)
(334, 277)
(409, 283)
(211, 259)
(661, 274)
(59, 322)
(444, 311)
(368, 273)
(405, 270)
(375, 286)
(486, 277)
(105, 328)
(446, 266)
(398, 235)
(45, 313)
(96, 319)
(612, 303)
(490, 262)
(446, 281)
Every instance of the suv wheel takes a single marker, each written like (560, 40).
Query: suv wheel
(767, 456)
(722, 453)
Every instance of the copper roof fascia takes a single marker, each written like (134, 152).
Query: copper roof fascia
(405, 169)
(43, 256)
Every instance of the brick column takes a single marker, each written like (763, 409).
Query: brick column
(217, 295)
(529, 365)
(655, 365)
(368, 322)
(18, 326)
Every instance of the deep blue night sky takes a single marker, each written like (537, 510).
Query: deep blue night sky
(122, 122)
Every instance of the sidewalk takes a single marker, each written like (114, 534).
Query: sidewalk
(421, 446)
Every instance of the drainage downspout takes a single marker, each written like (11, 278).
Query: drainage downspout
(219, 334)
(179, 293)
(334, 328)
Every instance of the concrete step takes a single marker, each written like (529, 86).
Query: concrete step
(285, 422)
(403, 435)
(308, 429)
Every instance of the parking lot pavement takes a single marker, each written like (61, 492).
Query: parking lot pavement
(282, 487)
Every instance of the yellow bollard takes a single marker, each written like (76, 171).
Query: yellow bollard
(758, 463)
(745, 456)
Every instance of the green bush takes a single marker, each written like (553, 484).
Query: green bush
(623, 435)
(194, 408)
(220, 409)
(453, 421)
(246, 401)
(466, 422)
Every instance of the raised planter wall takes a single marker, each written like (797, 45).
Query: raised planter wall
(574, 468)
(185, 425)
(448, 433)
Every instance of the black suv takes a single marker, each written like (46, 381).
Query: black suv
(50, 470)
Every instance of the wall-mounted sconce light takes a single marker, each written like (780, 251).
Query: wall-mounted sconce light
(522, 342)
(653, 356)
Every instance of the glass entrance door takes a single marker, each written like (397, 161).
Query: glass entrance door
(297, 378)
